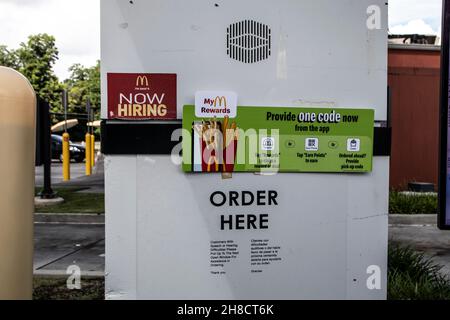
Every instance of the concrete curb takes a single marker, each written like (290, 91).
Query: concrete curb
(43, 203)
(63, 274)
(413, 219)
(69, 218)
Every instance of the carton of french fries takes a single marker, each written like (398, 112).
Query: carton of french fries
(217, 145)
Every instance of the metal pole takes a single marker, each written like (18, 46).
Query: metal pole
(92, 121)
(66, 102)
(66, 141)
(92, 139)
(88, 111)
(44, 109)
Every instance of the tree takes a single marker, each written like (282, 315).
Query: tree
(84, 84)
(8, 58)
(36, 59)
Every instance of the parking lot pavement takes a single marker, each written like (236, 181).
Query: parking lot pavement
(60, 245)
(77, 170)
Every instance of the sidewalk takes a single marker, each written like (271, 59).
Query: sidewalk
(95, 182)
(421, 233)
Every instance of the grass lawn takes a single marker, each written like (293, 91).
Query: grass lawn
(75, 202)
(56, 289)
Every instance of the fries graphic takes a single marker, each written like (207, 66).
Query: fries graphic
(218, 144)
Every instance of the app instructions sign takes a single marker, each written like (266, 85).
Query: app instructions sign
(279, 139)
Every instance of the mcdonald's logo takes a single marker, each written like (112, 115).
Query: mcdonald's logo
(142, 81)
(220, 102)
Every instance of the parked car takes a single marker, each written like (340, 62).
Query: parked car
(77, 151)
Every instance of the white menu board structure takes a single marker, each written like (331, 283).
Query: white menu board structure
(172, 235)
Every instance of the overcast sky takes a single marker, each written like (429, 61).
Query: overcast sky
(75, 24)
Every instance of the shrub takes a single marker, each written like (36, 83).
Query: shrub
(412, 276)
(400, 203)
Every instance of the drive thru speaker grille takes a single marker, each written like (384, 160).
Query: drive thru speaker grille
(249, 41)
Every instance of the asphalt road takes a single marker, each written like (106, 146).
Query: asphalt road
(60, 245)
(77, 170)
(421, 233)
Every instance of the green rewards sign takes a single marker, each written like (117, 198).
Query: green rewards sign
(279, 139)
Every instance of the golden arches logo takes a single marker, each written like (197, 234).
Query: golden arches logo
(142, 81)
(220, 101)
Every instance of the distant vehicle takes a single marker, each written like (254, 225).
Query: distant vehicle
(77, 151)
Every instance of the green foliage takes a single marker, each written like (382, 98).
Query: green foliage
(412, 276)
(8, 58)
(36, 58)
(400, 203)
(84, 84)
